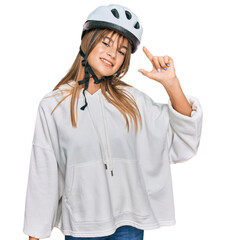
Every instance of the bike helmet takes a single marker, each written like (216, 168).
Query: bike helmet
(117, 18)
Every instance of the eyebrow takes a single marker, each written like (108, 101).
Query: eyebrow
(112, 41)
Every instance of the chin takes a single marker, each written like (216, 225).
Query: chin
(104, 74)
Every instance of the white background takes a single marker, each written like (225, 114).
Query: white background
(39, 42)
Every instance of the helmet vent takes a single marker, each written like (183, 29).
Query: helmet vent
(137, 25)
(115, 13)
(128, 15)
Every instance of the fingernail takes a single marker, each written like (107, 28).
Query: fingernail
(159, 70)
(167, 64)
(165, 69)
(139, 71)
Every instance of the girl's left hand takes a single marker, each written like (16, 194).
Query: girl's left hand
(167, 76)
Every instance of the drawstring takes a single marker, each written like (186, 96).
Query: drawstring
(101, 144)
(100, 141)
(106, 132)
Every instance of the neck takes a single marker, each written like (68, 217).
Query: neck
(93, 87)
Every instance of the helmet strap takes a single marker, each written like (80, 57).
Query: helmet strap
(89, 71)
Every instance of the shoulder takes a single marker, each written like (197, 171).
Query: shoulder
(143, 100)
(147, 105)
(50, 99)
(138, 94)
(132, 90)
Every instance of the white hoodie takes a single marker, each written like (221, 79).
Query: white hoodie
(68, 184)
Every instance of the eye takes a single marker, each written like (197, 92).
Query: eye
(105, 43)
(122, 53)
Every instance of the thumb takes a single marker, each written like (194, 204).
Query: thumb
(146, 73)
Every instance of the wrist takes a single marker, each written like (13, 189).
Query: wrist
(173, 84)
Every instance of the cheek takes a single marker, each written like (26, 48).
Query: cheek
(119, 63)
(96, 52)
(99, 49)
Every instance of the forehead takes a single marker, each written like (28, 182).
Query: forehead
(114, 36)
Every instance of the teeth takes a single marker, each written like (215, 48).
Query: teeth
(106, 61)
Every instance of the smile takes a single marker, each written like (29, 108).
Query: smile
(107, 62)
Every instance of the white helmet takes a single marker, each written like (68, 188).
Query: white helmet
(117, 18)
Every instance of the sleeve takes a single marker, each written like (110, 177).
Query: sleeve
(184, 132)
(42, 187)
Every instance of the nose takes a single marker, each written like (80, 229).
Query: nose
(111, 52)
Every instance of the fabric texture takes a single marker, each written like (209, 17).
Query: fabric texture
(69, 186)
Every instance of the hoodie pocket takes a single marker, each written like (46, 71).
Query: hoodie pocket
(95, 195)
(88, 198)
(128, 189)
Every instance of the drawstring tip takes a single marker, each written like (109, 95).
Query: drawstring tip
(106, 166)
(83, 107)
(111, 172)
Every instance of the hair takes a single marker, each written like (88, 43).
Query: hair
(117, 95)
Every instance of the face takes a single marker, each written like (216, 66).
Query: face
(107, 56)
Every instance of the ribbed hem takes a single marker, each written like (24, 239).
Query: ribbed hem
(119, 224)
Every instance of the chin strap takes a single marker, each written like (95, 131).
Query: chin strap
(88, 71)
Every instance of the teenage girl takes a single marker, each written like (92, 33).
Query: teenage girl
(101, 175)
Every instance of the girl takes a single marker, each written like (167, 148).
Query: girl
(104, 175)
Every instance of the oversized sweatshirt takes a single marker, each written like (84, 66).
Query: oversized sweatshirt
(90, 180)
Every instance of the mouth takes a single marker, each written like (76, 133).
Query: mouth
(108, 63)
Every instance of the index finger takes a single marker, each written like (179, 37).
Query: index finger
(148, 54)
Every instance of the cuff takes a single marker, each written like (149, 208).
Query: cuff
(195, 105)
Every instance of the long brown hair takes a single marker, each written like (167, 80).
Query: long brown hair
(117, 95)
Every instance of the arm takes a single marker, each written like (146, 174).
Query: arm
(185, 112)
(42, 187)
(184, 131)
(185, 127)
(177, 98)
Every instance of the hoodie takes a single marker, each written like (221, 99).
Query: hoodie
(90, 180)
